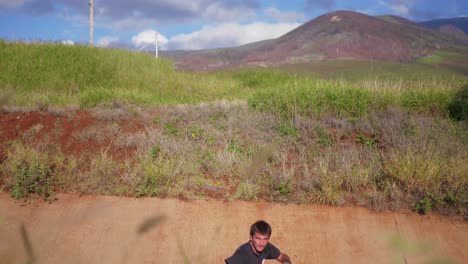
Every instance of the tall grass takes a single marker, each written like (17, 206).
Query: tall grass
(59, 75)
(290, 95)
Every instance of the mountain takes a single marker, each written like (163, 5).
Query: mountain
(459, 22)
(452, 30)
(336, 35)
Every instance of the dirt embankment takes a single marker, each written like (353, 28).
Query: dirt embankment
(99, 229)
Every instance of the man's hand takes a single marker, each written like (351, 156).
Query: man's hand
(284, 259)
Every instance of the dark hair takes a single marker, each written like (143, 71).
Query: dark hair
(260, 227)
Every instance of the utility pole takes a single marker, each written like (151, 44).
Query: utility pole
(91, 23)
(156, 46)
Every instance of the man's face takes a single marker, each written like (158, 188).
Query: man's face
(259, 241)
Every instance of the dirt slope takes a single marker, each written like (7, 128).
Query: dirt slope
(98, 229)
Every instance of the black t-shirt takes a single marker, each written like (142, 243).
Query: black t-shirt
(245, 255)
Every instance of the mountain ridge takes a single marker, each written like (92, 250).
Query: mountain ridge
(459, 22)
(336, 35)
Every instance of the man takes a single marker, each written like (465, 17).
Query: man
(258, 248)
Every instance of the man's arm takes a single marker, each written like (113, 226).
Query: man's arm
(283, 258)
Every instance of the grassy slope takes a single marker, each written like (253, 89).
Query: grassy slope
(454, 61)
(427, 68)
(379, 139)
(60, 75)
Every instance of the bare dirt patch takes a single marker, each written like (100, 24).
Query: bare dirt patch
(61, 129)
(100, 229)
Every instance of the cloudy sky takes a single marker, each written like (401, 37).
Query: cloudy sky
(191, 24)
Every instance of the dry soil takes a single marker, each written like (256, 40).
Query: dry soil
(101, 229)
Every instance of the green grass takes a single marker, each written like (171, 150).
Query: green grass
(447, 61)
(61, 75)
(441, 56)
(290, 96)
(432, 59)
(32, 171)
(358, 71)
(54, 74)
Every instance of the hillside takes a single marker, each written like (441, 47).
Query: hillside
(459, 22)
(122, 123)
(336, 35)
(452, 30)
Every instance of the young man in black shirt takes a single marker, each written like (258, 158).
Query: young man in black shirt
(258, 248)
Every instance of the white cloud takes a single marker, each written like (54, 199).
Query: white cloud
(218, 12)
(367, 11)
(148, 36)
(281, 16)
(12, 3)
(67, 42)
(400, 9)
(124, 15)
(129, 24)
(229, 35)
(107, 41)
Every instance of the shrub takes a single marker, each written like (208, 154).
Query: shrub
(324, 138)
(367, 140)
(155, 151)
(425, 204)
(170, 130)
(458, 108)
(195, 133)
(287, 130)
(425, 100)
(101, 177)
(157, 178)
(32, 172)
(156, 120)
(327, 187)
(416, 169)
(234, 147)
(284, 187)
(246, 191)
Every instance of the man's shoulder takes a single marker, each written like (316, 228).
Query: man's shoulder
(271, 246)
(241, 254)
(244, 247)
(272, 251)
(247, 248)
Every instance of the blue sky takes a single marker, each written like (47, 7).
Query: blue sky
(191, 24)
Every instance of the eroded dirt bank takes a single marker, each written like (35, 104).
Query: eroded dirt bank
(99, 229)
